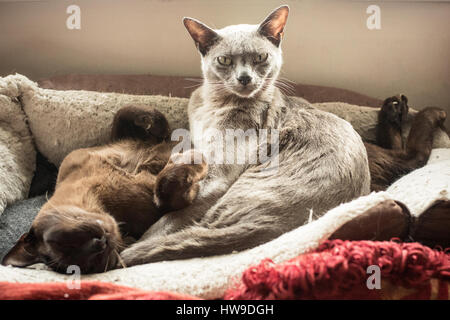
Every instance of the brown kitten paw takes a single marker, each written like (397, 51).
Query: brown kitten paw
(142, 123)
(152, 121)
(395, 109)
(177, 184)
(442, 117)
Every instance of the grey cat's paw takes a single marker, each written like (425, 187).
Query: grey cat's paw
(129, 257)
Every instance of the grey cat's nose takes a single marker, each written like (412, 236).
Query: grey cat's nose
(244, 80)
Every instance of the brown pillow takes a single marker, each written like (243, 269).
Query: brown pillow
(389, 219)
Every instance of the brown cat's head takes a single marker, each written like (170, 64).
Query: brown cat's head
(67, 235)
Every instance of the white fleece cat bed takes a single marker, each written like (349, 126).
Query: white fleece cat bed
(61, 121)
(210, 277)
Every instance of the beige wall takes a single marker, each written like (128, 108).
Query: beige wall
(326, 43)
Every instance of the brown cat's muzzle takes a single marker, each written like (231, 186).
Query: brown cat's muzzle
(67, 236)
(91, 244)
(94, 256)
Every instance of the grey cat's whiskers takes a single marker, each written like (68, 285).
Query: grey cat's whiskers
(202, 81)
(287, 81)
(285, 88)
(194, 79)
(218, 87)
(193, 86)
(281, 84)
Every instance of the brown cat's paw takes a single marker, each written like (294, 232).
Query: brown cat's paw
(395, 109)
(140, 123)
(152, 121)
(177, 184)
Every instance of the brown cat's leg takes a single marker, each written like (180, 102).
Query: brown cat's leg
(383, 163)
(420, 138)
(391, 118)
(176, 185)
(386, 166)
(140, 123)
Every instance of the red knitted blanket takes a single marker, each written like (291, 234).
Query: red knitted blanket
(336, 270)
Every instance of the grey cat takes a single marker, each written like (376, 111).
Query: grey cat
(322, 161)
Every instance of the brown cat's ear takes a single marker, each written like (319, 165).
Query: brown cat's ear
(24, 253)
(273, 26)
(204, 37)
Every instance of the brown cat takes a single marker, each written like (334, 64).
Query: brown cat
(104, 194)
(392, 158)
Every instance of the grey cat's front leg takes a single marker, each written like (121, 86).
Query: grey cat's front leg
(196, 241)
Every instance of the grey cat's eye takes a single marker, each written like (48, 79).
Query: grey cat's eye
(260, 58)
(225, 61)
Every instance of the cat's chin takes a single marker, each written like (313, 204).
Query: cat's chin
(245, 93)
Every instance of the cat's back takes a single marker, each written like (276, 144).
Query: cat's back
(323, 137)
(125, 157)
(300, 113)
(93, 161)
(98, 171)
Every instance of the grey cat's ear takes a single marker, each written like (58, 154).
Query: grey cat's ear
(204, 37)
(273, 26)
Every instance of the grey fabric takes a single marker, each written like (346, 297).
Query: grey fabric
(16, 220)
